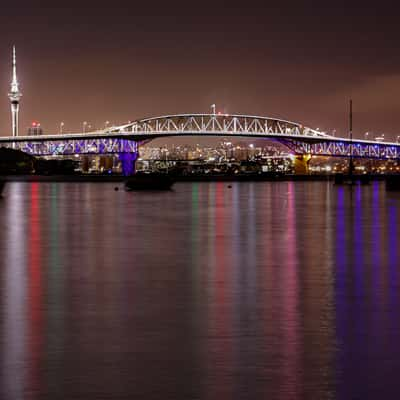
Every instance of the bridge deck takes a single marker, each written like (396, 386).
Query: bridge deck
(125, 138)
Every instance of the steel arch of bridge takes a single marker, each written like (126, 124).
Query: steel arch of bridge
(297, 137)
(216, 124)
(126, 138)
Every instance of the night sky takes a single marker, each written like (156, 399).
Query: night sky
(92, 62)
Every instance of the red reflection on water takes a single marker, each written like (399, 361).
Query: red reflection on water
(35, 293)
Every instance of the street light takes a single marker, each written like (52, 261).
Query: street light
(366, 135)
(106, 124)
(213, 109)
(397, 139)
(84, 126)
(61, 127)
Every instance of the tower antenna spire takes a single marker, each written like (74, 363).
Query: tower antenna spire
(14, 95)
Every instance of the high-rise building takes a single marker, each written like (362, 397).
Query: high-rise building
(14, 96)
(35, 129)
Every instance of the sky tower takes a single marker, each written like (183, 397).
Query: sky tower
(14, 96)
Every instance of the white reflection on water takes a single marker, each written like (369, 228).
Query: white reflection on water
(14, 298)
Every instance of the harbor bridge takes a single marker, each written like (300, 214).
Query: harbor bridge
(125, 140)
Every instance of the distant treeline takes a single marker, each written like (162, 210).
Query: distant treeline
(16, 162)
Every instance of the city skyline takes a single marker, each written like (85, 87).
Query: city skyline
(118, 64)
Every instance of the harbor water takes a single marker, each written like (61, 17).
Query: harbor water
(247, 290)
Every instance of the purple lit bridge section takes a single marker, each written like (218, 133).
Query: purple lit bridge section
(125, 140)
(67, 145)
(344, 148)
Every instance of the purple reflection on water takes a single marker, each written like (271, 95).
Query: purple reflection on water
(393, 251)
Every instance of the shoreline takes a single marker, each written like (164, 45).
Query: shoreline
(188, 178)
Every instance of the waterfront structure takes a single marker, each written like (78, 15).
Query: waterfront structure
(125, 140)
(14, 95)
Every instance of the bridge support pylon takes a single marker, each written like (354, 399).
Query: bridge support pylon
(301, 164)
(128, 161)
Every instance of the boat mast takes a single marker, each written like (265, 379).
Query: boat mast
(351, 139)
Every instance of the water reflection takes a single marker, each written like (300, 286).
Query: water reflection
(13, 293)
(219, 346)
(35, 292)
(366, 322)
(262, 290)
(290, 304)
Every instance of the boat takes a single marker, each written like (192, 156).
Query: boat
(365, 179)
(393, 182)
(2, 184)
(149, 182)
(341, 179)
